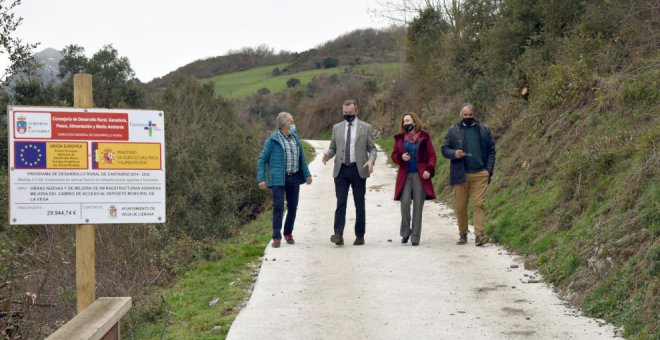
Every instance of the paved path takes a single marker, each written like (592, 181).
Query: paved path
(386, 290)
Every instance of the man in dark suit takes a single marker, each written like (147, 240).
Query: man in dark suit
(353, 144)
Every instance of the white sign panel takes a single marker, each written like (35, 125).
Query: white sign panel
(86, 166)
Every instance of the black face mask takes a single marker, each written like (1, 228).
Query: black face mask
(349, 118)
(468, 121)
(408, 127)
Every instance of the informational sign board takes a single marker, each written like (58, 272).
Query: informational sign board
(86, 166)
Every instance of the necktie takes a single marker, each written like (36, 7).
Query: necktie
(347, 152)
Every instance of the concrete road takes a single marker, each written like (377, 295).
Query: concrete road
(386, 290)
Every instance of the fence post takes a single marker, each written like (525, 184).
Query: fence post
(85, 233)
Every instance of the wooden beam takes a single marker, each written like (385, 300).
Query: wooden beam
(85, 234)
(99, 321)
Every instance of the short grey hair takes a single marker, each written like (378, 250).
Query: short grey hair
(468, 105)
(282, 119)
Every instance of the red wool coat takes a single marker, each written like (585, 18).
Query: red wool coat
(426, 159)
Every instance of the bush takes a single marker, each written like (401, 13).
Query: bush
(211, 163)
(330, 62)
(292, 82)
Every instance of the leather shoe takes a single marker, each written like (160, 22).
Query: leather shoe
(276, 243)
(404, 240)
(358, 241)
(289, 239)
(337, 239)
(462, 239)
(481, 239)
(415, 244)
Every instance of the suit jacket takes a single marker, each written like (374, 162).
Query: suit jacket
(365, 147)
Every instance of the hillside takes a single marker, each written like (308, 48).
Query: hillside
(576, 187)
(358, 47)
(238, 85)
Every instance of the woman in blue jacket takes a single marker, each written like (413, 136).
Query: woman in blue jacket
(282, 168)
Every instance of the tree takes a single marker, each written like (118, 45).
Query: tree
(73, 61)
(330, 62)
(428, 53)
(18, 53)
(29, 88)
(406, 11)
(112, 76)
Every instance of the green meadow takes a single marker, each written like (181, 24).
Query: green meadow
(245, 83)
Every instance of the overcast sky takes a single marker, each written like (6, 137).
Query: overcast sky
(159, 36)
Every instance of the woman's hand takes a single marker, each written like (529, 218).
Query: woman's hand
(405, 157)
(426, 175)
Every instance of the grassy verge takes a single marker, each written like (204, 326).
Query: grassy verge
(327, 135)
(226, 273)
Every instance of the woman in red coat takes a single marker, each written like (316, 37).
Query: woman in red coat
(414, 153)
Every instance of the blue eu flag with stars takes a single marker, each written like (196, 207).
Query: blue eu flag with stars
(30, 155)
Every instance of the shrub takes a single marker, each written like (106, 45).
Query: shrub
(292, 82)
(211, 163)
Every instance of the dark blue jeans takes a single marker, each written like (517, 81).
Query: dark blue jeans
(349, 177)
(291, 189)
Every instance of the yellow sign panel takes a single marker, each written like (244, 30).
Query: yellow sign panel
(66, 155)
(127, 156)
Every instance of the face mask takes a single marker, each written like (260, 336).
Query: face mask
(408, 127)
(349, 118)
(468, 121)
(292, 128)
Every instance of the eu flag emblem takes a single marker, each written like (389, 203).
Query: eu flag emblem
(30, 155)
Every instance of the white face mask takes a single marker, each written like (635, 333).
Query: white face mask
(292, 128)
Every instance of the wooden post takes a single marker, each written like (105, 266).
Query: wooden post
(82, 91)
(85, 233)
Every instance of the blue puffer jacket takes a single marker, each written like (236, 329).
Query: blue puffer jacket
(271, 166)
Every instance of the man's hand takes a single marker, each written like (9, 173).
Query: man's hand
(325, 158)
(459, 154)
(262, 185)
(405, 157)
(426, 175)
(308, 180)
(369, 165)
